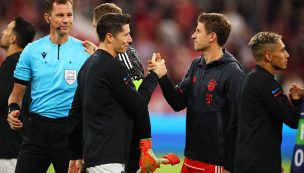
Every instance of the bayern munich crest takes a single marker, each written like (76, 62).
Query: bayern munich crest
(212, 84)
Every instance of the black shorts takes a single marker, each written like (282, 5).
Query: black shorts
(45, 143)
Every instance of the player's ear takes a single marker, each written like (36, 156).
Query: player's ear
(268, 56)
(47, 17)
(13, 39)
(109, 37)
(212, 37)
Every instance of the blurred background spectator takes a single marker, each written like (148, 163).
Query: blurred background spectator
(166, 26)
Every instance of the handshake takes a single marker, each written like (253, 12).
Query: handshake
(157, 65)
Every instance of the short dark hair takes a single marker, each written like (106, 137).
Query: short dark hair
(111, 23)
(105, 9)
(24, 31)
(218, 23)
(260, 41)
(49, 4)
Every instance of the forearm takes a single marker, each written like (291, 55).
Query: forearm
(174, 96)
(17, 94)
(137, 102)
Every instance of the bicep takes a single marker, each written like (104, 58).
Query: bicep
(23, 69)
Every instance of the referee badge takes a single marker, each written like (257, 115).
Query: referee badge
(70, 76)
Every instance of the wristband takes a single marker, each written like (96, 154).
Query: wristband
(12, 107)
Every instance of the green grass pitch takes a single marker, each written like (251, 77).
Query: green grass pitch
(177, 168)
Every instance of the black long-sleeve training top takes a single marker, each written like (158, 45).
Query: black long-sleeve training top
(256, 122)
(10, 140)
(103, 110)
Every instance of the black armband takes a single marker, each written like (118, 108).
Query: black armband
(12, 107)
(22, 82)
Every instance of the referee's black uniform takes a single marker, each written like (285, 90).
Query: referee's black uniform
(256, 122)
(103, 109)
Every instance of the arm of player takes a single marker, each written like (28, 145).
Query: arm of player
(279, 105)
(16, 98)
(90, 47)
(6, 80)
(175, 96)
(232, 133)
(235, 76)
(74, 126)
(124, 90)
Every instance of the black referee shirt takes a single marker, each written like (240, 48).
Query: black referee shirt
(256, 122)
(105, 104)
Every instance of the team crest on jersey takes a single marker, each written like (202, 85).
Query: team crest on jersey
(211, 85)
(70, 76)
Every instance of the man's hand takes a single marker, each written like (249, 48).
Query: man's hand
(75, 166)
(13, 120)
(90, 47)
(296, 92)
(157, 66)
(148, 162)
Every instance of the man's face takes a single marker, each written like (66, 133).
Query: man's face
(122, 40)
(200, 37)
(279, 56)
(62, 16)
(6, 35)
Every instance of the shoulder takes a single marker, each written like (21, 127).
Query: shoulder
(196, 61)
(37, 45)
(261, 80)
(76, 44)
(40, 42)
(233, 67)
(75, 40)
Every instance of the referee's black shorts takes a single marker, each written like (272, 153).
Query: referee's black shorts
(45, 143)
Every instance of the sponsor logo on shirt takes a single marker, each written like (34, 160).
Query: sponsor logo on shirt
(194, 79)
(274, 92)
(209, 98)
(43, 54)
(127, 79)
(212, 84)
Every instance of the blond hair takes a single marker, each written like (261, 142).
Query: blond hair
(260, 41)
(105, 9)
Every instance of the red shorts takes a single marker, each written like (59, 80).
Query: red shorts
(192, 166)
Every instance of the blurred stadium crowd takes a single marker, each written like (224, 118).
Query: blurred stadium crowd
(166, 26)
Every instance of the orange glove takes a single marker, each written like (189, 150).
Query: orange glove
(147, 162)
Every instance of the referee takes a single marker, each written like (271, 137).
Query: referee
(51, 64)
(261, 109)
